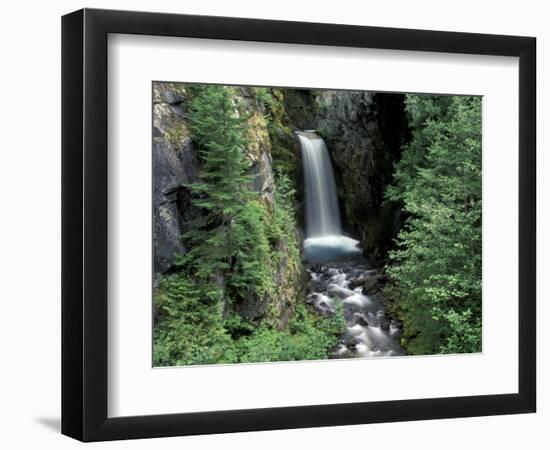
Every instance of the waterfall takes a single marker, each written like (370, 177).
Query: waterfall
(325, 240)
(322, 214)
(369, 333)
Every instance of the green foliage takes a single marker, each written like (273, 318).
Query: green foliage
(264, 96)
(436, 268)
(221, 137)
(306, 337)
(251, 271)
(236, 326)
(281, 133)
(176, 134)
(189, 330)
(282, 224)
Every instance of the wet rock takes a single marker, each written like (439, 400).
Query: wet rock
(331, 271)
(348, 313)
(318, 268)
(325, 308)
(322, 304)
(316, 285)
(359, 319)
(370, 283)
(353, 343)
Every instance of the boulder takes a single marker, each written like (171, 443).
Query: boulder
(370, 283)
(359, 319)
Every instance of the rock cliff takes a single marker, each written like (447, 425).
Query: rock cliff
(175, 164)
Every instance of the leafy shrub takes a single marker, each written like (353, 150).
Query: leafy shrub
(436, 268)
(307, 337)
(190, 328)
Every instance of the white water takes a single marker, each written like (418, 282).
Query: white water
(369, 333)
(325, 240)
(322, 214)
(327, 248)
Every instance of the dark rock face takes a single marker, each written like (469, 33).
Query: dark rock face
(175, 164)
(301, 108)
(174, 167)
(364, 133)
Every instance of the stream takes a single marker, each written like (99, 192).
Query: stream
(369, 332)
(338, 271)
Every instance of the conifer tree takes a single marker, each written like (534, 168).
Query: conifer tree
(229, 237)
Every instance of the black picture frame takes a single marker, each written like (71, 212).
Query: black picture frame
(84, 224)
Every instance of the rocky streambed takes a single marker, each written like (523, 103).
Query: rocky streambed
(370, 331)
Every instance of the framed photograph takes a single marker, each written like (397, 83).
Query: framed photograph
(273, 224)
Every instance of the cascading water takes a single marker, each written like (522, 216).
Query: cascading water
(322, 213)
(324, 238)
(369, 332)
(335, 277)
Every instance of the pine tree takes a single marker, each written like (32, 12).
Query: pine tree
(229, 238)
